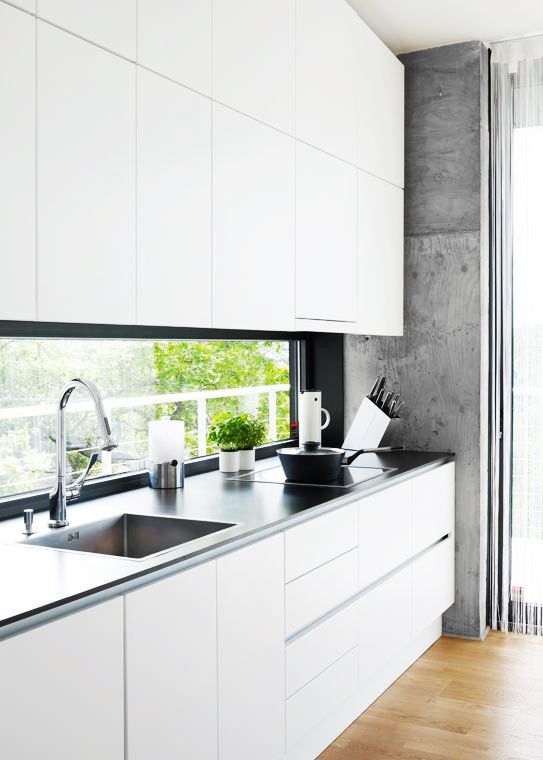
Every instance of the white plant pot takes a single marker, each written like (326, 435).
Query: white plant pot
(229, 461)
(247, 459)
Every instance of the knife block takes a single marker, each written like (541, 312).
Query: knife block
(368, 427)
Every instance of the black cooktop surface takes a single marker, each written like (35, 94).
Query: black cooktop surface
(349, 477)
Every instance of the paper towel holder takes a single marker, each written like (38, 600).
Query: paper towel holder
(167, 474)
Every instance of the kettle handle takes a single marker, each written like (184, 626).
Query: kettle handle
(326, 418)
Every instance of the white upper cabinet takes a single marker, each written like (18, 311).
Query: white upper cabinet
(171, 667)
(251, 651)
(325, 237)
(174, 39)
(253, 224)
(17, 164)
(380, 257)
(86, 182)
(253, 58)
(380, 109)
(174, 204)
(327, 76)
(109, 24)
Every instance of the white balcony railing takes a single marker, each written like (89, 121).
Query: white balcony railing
(132, 402)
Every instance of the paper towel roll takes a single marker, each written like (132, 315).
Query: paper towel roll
(166, 440)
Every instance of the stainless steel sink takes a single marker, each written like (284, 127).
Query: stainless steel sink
(133, 536)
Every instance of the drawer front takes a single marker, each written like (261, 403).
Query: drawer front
(316, 701)
(433, 506)
(433, 584)
(317, 541)
(385, 622)
(320, 591)
(312, 653)
(384, 532)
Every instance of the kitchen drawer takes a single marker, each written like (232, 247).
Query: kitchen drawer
(433, 506)
(310, 654)
(384, 615)
(320, 591)
(433, 584)
(316, 701)
(384, 532)
(319, 540)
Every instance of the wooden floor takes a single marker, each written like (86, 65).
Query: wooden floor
(462, 699)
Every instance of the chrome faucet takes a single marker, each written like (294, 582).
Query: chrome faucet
(62, 492)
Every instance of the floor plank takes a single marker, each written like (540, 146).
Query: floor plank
(461, 699)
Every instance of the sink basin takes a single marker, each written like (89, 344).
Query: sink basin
(133, 536)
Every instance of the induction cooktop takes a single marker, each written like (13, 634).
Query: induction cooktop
(349, 477)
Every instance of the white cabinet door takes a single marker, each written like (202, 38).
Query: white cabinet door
(253, 224)
(380, 108)
(433, 584)
(320, 591)
(86, 182)
(253, 58)
(110, 24)
(72, 669)
(380, 257)
(251, 652)
(174, 39)
(325, 237)
(327, 76)
(385, 622)
(311, 544)
(171, 667)
(384, 532)
(433, 506)
(17, 164)
(174, 204)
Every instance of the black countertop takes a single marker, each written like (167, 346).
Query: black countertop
(39, 583)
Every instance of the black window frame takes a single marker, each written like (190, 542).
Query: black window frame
(316, 361)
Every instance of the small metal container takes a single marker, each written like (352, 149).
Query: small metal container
(167, 474)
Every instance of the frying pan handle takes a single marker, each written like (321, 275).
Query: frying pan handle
(350, 460)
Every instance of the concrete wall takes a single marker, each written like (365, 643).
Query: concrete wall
(440, 365)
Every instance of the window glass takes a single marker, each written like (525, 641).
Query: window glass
(140, 380)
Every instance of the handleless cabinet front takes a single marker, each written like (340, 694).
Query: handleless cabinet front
(86, 182)
(62, 688)
(251, 651)
(326, 267)
(253, 224)
(171, 667)
(17, 162)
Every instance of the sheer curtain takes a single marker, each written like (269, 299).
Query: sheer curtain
(516, 457)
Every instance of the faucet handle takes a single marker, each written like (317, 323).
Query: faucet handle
(74, 489)
(29, 521)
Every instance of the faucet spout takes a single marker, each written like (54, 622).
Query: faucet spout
(62, 492)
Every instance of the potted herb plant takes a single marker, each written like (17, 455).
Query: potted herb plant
(225, 432)
(252, 434)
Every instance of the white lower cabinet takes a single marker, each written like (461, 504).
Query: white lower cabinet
(171, 667)
(320, 591)
(384, 615)
(324, 694)
(226, 660)
(433, 506)
(311, 653)
(384, 532)
(62, 688)
(251, 651)
(433, 584)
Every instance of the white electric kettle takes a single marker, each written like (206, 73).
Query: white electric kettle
(310, 414)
